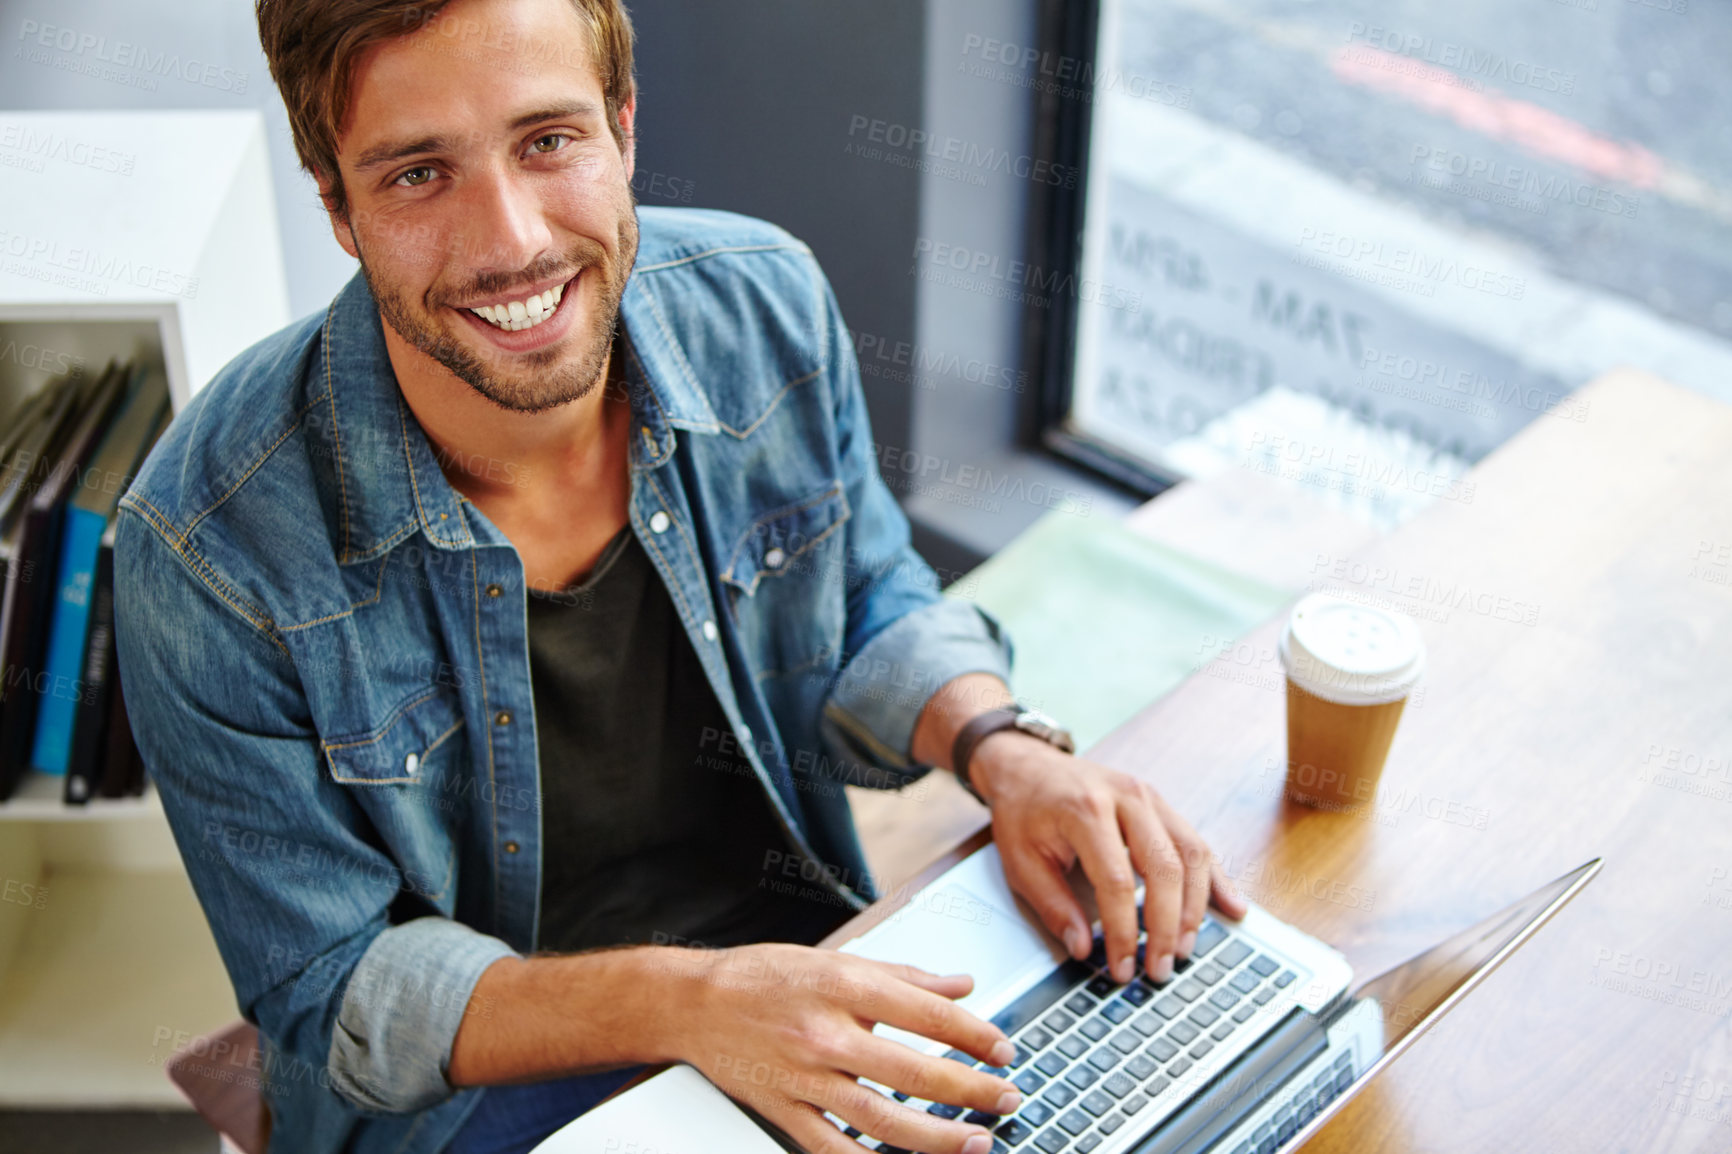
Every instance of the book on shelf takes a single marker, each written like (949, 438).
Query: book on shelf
(103, 752)
(78, 666)
(46, 464)
(121, 767)
(32, 443)
(24, 421)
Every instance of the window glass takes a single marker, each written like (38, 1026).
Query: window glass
(1357, 245)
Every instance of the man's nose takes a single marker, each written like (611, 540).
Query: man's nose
(505, 227)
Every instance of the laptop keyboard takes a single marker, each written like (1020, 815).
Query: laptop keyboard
(1091, 1054)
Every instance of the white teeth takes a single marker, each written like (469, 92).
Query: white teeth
(524, 314)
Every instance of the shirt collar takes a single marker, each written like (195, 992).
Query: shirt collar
(388, 480)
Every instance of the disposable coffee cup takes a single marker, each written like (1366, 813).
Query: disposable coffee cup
(1350, 669)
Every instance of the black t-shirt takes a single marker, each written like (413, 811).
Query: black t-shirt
(650, 831)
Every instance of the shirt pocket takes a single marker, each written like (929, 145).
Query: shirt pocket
(784, 542)
(408, 773)
(407, 747)
(787, 582)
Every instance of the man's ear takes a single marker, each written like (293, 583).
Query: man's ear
(339, 217)
(628, 135)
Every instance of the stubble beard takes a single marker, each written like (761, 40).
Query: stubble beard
(543, 379)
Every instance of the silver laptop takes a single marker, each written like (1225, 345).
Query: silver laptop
(1250, 1047)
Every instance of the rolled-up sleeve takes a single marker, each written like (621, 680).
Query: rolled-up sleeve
(878, 698)
(292, 880)
(402, 1007)
(904, 638)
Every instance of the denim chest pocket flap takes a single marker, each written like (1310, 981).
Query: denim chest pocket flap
(403, 748)
(775, 543)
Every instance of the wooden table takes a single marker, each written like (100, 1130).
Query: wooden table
(1577, 609)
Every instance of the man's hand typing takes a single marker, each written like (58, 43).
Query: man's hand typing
(788, 1030)
(1051, 810)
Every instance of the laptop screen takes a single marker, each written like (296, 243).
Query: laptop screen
(1421, 988)
(1413, 995)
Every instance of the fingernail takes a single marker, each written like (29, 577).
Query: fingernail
(1164, 968)
(1002, 1053)
(1187, 944)
(978, 1144)
(1124, 971)
(1073, 941)
(1008, 1102)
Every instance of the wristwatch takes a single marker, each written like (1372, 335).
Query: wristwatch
(1030, 721)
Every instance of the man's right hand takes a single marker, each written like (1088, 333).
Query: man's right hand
(788, 1031)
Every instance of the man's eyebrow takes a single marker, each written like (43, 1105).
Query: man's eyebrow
(575, 110)
(382, 154)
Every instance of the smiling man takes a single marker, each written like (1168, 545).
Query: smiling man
(497, 637)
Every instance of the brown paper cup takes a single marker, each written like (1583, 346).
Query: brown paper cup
(1350, 670)
(1335, 753)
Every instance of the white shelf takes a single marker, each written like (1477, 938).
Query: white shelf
(103, 978)
(106, 963)
(38, 798)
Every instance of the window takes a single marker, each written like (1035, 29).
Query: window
(1358, 246)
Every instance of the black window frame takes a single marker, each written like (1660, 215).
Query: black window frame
(1068, 32)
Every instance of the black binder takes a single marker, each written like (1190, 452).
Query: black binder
(102, 747)
(140, 421)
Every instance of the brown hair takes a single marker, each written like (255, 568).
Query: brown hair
(313, 46)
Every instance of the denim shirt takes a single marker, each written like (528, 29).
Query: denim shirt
(324, 652)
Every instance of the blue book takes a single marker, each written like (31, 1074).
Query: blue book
(86, 517)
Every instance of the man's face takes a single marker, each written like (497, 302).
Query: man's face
(489, 204)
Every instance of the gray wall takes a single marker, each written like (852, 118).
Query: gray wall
(967, 424)
(751, 103)
(805, 118)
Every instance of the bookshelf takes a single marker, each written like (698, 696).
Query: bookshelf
(38, 799)
(150, 235)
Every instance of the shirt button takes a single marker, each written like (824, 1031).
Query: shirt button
(503, 717)
(494, 590)
(774, 558)
(411, 764)
(709, 630)
(659, 522)
(510, 847)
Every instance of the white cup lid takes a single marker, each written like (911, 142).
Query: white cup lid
(1349, 653)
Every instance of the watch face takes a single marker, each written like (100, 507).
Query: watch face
(1046, 728)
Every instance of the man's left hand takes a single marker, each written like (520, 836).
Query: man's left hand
(1050, 809)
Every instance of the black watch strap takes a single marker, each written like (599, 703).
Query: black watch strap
(971, 735)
